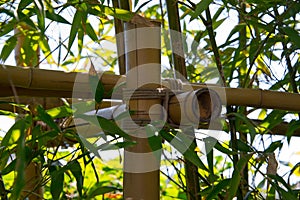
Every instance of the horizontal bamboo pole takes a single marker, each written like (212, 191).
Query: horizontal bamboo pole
(40, 82)
(49, 83)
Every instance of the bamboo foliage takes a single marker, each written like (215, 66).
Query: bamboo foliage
(263, 39)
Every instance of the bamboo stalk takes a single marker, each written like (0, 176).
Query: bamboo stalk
(32, 189)
(176, 39)
(60, 84)
(141, 166)
(119, 29)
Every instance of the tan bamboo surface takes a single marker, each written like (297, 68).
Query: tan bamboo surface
(50, 83)
(141, 166)
(40, 82)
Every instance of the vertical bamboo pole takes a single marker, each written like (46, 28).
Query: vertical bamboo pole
(32, 190)
(244, 185)
(119, 28)
(141, 166)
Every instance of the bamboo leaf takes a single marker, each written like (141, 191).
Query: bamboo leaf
(90, 32)
(44, 45)
(236, 176)
(243, 147)
(111, 128)
(293, 126)
(55, 17)
(60, 112)
(45, 117)
(75, 168)
(217, 189)
(9, 46)
(108, 127)
(200, 7)
(223, 149)
(155, 142)
(92, 148)
(98, 189)
(273, 146)
(57, 181)
(97, 88)
(14, 133)
(185, 149)
(19, 182)
(293, 35)
(9, 168)
(76, 25)
(250, 125)
(23, 4)
(40, 12)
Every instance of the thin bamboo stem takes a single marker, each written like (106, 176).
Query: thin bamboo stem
(192, 178)
(119, 29)
(176, 38)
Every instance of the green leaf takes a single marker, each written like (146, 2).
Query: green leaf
(200, 7)
(243, 147)
(273, 146)
(236, 176)
(90, 32)
(76, 25)
(250, 125)
(55, 17)
(235, 30)
(121, 14)
(8, 113)
(91, 147)
(19, 182)
(60, 112)
(40, 12)
(75, 169)
(111, 128)
(97, 88)
(44, 45)
(217, 189)
(154, 141)
(98, 189)
(223, 149)
(9, 168)
(8, 27)
(14, 133)
(45, 117)
(293, 126)
(293, 35)
(285, 194)
(9, 46)
(57, 181)
(184, 148)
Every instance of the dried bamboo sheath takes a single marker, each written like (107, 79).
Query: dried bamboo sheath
(49, 83)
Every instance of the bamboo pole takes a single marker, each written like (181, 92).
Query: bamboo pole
(32, 189)
(41, 82)
(141, 166)
(119, 29)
